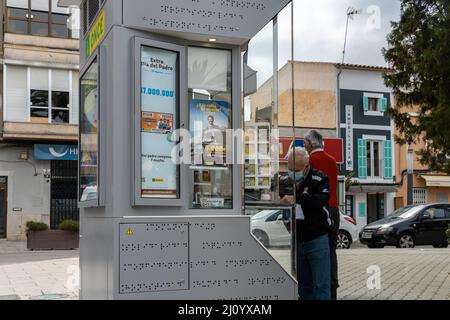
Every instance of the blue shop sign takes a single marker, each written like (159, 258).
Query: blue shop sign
(55, 152)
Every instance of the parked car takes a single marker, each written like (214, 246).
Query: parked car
(271, 228)
(348, 232)
(410, 226)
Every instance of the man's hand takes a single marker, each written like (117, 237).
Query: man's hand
(287, 200)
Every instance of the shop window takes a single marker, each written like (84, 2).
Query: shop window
(210, 101)
(88, 180)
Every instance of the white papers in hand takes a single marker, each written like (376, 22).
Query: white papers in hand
(299, 215)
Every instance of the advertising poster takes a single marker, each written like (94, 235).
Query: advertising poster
(158, 118)
(209, 121)
(154, 122)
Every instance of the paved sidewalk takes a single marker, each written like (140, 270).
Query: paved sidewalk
(37, 274)
(12, 246)
(402, 274)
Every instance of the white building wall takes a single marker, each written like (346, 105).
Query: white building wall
(28, 195)
(363, 80)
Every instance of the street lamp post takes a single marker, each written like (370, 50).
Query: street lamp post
(410, 161)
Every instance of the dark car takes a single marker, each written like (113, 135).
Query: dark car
(410, 226)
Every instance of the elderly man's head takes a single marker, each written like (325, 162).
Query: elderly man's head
(313, 141)
(298, 163)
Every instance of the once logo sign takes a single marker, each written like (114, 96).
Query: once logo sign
(96, 34)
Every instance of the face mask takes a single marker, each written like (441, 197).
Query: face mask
(296, 176)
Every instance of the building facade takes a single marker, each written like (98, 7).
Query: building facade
(39, 127)
(368, 133)
(427, 186)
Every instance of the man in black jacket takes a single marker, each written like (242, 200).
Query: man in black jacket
(313, 225)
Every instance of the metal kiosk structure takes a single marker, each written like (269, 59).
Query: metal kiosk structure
(152, 228)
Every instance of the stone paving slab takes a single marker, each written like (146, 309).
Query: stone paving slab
(35, 274)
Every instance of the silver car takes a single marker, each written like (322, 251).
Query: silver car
(270, 228)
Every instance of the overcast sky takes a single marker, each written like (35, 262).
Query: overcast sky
(320, 31)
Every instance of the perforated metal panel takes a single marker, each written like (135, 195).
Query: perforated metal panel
(197, 258)
(228, 18)
(154, 257)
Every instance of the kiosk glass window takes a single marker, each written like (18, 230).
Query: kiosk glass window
(159, 120)
(89, 135)
(210, 118)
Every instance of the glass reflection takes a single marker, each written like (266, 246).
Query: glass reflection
(89, 134)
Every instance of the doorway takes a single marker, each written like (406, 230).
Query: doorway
(3, 206)
(375, 207)
(64, 196)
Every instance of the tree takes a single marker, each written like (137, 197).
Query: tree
(419, 53)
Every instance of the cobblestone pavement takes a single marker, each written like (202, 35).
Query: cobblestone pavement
(394, 274)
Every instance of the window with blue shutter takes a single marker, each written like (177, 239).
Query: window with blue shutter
(362, 158)
(388, 172)
(366, 104)
(383, 105)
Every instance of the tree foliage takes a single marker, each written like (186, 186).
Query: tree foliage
(419, 53)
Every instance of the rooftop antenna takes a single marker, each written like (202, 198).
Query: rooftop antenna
(351, 12)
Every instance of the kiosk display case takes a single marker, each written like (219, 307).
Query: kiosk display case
(210, 114)
(167, 180)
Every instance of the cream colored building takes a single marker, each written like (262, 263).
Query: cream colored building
(314, 88)
(39, 113)
(428, 186)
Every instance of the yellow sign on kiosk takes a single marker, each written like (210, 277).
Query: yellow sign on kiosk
(96, 34)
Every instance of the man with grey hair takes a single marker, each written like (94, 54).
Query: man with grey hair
(324, 162)
(312, 226)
